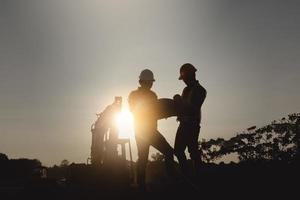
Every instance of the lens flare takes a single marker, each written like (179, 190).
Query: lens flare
(124, 122)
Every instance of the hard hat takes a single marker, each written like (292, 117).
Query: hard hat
(147, 75)
(186, 68)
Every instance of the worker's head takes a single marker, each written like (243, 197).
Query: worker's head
(146, 79)
(187, 73)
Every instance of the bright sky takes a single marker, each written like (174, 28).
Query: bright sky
(62, 61)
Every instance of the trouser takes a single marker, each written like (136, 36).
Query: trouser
(143, 144)
(187, 136)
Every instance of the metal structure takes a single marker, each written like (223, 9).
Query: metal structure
(105, 137)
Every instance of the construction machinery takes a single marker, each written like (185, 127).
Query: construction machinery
(105, 138)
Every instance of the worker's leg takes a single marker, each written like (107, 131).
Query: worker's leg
(179, 147)
(161, 144)
(193, 145)
(143, 151)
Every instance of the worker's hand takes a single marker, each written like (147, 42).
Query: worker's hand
(177, 97)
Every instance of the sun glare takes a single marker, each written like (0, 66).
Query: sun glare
(124, 122)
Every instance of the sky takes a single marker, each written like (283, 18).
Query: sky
(63, 61)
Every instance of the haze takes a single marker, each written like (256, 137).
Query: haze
(63, 61)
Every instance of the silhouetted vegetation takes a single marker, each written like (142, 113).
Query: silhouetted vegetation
(19, 169)
(277, 141)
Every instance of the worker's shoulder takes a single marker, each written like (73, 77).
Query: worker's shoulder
(199, 86)
(149, 94)
(201, 89)
(140, 92)
(134, 92)
(132, 95)
(153, 93)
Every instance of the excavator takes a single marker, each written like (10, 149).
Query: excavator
(105, 137)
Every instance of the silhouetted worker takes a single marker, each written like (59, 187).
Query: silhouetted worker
(145, 125)
(189, 105)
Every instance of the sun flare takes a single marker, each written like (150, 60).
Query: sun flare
(124, 122)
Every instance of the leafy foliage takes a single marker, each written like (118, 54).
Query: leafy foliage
(158, 157)
(278, 141)
(3, 157)
(64, 163)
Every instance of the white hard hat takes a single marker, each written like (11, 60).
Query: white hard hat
(147, 75)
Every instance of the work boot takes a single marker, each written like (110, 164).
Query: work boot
(198, 166)
(184, 169)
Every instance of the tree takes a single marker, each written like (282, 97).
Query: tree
(64, 163)
(277, 141)
(158, 157)
(3, 157)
